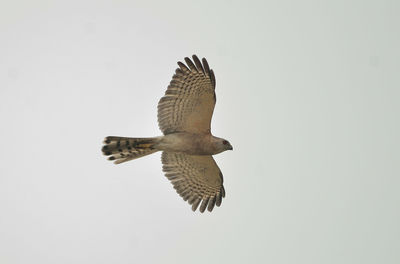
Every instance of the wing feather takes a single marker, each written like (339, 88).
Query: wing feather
(206, 67)
(204, 204)
(183, 67)
(191, 65)
(189, 101)
(198, 64)
(197, 179)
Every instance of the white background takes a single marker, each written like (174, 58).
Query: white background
(308, 95)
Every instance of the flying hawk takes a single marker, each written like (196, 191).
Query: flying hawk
(184, 117)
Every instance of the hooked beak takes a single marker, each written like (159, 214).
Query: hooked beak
(230, 147)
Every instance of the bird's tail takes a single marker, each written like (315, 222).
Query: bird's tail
(122, 149)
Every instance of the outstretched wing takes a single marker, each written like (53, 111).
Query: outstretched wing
(195, 178)
(189, 101)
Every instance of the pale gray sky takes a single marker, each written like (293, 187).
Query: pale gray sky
(308, 94)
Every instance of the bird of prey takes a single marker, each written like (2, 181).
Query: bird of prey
(184, 117)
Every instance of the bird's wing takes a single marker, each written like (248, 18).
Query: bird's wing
(196, 178)
(189, 101)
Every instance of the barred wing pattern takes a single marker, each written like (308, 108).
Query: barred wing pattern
(195, 178)
(189, 101)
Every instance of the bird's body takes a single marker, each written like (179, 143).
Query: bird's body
(190, 143)
(184, 116)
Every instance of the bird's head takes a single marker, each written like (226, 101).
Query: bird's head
(225, 145)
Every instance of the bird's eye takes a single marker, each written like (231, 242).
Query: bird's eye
(224, 142)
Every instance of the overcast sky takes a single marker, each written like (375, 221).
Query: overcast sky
(307, 93)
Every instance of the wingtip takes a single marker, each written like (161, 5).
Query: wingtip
(183, 67)
(195, 205)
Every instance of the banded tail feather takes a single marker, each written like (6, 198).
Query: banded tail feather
(122, 149)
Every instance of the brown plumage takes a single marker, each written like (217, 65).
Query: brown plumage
(184, 117)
